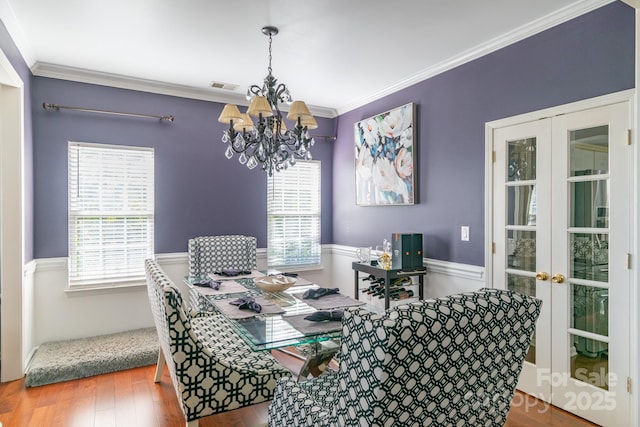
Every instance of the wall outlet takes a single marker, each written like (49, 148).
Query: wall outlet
(464, 233)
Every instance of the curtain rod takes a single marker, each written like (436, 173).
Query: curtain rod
(57, 107)
(332, 138)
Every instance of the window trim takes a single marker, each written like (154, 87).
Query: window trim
(317, 215)
(113, 281)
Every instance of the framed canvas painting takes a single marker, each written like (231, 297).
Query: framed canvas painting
(385, 158)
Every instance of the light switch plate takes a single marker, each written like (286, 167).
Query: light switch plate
(464, 233)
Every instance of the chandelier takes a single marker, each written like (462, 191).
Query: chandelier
(268, 143)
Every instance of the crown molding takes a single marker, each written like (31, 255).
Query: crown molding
(119, 81)
(43, 69)
(572, 11)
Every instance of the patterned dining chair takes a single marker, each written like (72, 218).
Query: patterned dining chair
(212, 369)
(452, 361)
(214, 253)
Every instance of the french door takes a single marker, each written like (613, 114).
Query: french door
(561, 232)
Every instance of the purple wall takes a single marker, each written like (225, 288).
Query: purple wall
(198, 191)
(18, 63)
(586, 57)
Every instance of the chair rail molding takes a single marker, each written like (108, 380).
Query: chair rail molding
(54, 313)
(448, 268)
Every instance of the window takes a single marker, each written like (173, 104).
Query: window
(110, 213)
(293, 216)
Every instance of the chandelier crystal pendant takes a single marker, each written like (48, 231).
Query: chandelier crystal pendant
(268, 143)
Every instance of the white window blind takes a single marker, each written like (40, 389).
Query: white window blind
(293, 215)
(111, 206)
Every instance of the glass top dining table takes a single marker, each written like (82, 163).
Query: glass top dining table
(272, 331)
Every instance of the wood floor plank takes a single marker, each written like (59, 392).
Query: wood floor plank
(65, 411)
(131, 399)
(125, 399)
(106, 418)
(42, 416)
(144, 402)
(105, 392)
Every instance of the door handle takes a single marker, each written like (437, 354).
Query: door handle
(543, 275)
(557, 278)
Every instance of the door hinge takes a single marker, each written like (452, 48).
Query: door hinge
(493, 247)
(628, 384)
(628, 261)
(629, 141)
(493, 156)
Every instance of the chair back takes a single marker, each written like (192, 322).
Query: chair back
(214, 253)
(212, 369)
(434, 362)
(167, 307)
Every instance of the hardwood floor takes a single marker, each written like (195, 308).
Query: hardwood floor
(131, 399)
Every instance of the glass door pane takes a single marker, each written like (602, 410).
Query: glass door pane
(589, 254)
(521, 163)
(520, 189)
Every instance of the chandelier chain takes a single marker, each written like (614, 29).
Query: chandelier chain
(270, 40)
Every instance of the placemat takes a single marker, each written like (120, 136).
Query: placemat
(254, 274)
(308, 327)
(300, 281)
(226, 287)
(328, 302)
(233, 312)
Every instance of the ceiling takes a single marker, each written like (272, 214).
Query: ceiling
(334, 54)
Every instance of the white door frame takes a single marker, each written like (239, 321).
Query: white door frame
(624, 96)
(635, 293)
(11, 220)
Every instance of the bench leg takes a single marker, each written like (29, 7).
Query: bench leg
(160, 368)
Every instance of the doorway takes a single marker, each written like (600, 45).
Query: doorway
(560, 192)
(11, 221)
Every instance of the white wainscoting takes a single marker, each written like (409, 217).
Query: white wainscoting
(57, 314)
(53, 313)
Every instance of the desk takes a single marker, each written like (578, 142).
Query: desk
(388, 276)
(265, 332)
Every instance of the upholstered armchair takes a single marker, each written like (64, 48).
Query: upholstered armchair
(213, 253)
(211, 367)
(449, 361)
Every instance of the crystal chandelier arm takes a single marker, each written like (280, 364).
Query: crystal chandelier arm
(282, 93)
(253, 90)
(232, 131)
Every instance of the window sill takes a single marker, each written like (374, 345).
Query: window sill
(105, 288)
(297, 268)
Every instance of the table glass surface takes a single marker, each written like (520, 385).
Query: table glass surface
(271, 331)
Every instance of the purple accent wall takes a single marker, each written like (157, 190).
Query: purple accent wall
(15, 58)
(198, 191)
(586, 57)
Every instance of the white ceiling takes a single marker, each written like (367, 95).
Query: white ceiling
(335, 54)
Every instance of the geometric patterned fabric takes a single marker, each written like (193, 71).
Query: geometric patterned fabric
(212, 369)
(215, 253)
(452, 361)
